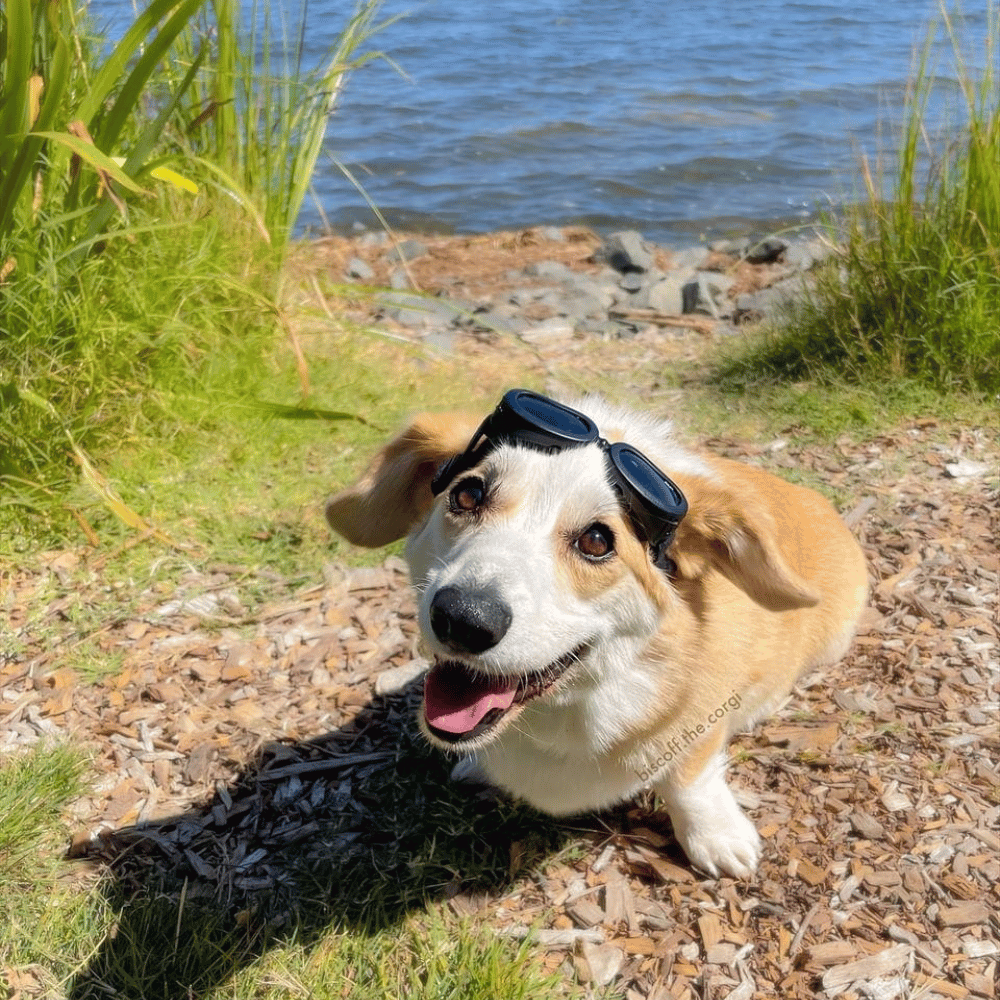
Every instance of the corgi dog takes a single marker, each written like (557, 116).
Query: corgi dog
(604, 608)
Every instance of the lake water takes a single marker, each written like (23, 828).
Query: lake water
(681, 119)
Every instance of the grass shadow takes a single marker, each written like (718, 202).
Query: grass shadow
(350, 831)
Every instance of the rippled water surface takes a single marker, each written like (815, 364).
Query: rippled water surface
(679, 118)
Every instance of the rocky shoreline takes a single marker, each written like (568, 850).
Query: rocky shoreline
(550, 284)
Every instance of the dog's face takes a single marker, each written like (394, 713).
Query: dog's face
(537, 600)
(529, 579)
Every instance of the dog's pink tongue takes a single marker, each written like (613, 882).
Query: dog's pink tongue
(456, 700)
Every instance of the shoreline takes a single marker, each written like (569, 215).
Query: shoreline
(547, 284)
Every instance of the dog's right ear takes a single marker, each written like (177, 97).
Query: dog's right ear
(395, 490)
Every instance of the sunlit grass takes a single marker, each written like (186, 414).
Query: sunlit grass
(914, 296)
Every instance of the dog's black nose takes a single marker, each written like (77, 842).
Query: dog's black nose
(468, 621)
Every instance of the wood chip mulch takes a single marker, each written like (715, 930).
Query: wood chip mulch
(247, 757)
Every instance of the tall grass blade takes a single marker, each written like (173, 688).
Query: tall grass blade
(92, 155)
(144, 145)
(132, 90)
(113, 68)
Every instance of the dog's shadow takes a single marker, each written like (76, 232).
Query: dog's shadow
(352, 830)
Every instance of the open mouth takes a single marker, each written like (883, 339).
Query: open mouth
(461, 704)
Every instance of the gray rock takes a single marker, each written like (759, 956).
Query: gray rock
(745, 306)
(602, 291)
(549, 331)
(769, 301)
(357, 268)
(667, 296)
(441, 340)
(626, 252)
(418, 311)
(581, 304)
(689, 260)
(805, 254)
(631, 281)
(373, 240)
(553, 234)
(736, 247)
(499, 322)
(549, 270)
(799, 256)
(707, 294)
(605, 329)
(553, 299)
(766, 251)
(522, 297)
(408, 250)
(399, 280)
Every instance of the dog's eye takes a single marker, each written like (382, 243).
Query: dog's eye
(468, 496)
(596, 542)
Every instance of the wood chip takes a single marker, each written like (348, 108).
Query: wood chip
(872, 967)
(964, 914)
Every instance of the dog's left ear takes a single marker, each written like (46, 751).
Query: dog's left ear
(741, 537)
(395, 490)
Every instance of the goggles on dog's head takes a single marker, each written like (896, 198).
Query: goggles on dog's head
(651, 501)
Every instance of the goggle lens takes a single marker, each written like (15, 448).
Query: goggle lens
(653, 502)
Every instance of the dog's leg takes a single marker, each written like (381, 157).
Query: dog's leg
(716, 835)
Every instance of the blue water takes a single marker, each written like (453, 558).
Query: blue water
(680, 118)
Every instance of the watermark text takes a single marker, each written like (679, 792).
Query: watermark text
(676, 746)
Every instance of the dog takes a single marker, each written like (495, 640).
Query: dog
(604, 607)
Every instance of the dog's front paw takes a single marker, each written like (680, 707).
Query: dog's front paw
(729, 848)
(715, 833)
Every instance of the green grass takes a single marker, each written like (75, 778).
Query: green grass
(34, 790)
(914, 296)
(123, 288)
(50, 913)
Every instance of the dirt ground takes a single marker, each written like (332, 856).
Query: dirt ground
(227, 734)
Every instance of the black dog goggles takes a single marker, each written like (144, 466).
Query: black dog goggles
(651, 501)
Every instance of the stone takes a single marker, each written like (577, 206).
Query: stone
(499, 322)
(357, 268)
(553, 234)
(767, 251)
(550, 270)
(548, 331)
(690, 259)
(667, 296)
(799, 256)
(605, 329)
(626, 252)
(522, 297)
(707, 294)
(631, 281)
(419, 311)
(399, 280)
(581, 304)
(442, 340)
(746, 305)
(782, 294)
(408, 250)
(596, 288)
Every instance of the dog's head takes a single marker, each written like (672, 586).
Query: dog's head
(536, 588)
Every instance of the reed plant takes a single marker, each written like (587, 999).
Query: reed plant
(148, 192)
(914, 294)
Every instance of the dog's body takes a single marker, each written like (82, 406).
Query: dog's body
(586, 678)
